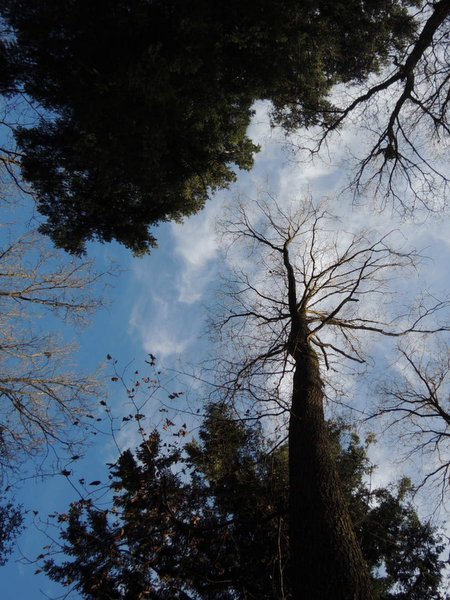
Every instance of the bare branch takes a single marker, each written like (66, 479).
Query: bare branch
(404, 116)
(417, 404)
(297, 266)
(42, 402)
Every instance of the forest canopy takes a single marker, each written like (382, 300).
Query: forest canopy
(119, 116)
(144, 106)
(208, 519)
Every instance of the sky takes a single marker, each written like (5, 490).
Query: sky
(159, 304)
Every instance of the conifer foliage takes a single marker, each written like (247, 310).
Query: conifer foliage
(145, 104)
(208, 520)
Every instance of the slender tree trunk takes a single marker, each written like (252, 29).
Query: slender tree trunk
(326, 560)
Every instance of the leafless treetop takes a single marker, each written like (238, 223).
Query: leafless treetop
(292, 261)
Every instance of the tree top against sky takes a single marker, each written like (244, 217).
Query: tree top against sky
(145, 105)
(208, 519)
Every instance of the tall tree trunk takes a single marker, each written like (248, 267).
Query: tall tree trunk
(326, 559)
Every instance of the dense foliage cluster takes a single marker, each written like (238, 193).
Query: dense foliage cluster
(145, 104)
(209, 521)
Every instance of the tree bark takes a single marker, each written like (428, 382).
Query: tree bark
(326, 559)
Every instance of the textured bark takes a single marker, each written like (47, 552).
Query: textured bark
(326, 559)
(327, 563)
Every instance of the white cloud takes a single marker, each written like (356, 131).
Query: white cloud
(157, 320)
(195, 245)
(163, 325)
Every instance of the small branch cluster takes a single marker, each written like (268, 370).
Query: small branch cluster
(41, 401)
(417, 404)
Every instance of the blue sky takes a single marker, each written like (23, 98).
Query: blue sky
(158, 304)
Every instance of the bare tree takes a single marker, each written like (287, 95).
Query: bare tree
(303, 308)
(42, 402)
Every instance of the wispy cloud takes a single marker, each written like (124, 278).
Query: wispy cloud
(157, 321)
(195, 246)
(171, 284)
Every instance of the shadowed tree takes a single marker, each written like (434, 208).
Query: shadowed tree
(146, 104)
(209, 521)
(303, 303)
(11, 519)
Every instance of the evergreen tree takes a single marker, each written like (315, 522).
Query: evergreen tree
(146, 104)
(210, 522)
